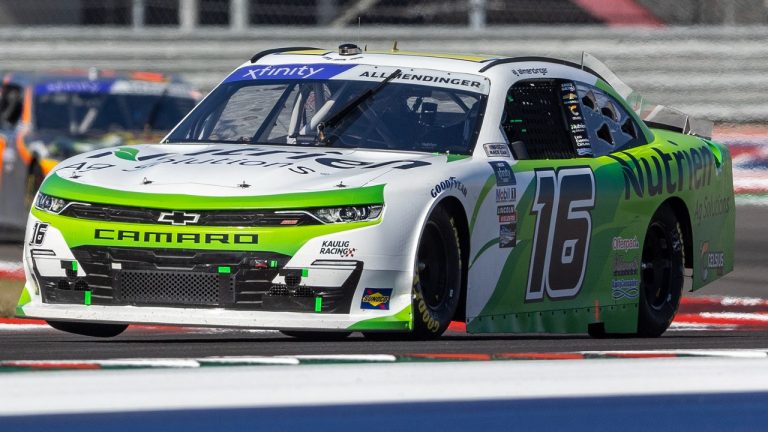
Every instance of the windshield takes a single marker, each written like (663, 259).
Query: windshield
(400, 114)
(97, 110)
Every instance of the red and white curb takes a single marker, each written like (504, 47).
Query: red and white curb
(11, 270)
(297, 360)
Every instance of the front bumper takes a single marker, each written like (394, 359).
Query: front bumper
(71, 276)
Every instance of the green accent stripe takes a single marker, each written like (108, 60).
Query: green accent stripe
(456, 157)
(490, 183)
(87, 299)
(67, 189)
(399, 321)
(483, 249)
(23, 300)
(283, 240)
(318, 304)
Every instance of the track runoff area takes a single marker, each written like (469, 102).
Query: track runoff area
(709, 371)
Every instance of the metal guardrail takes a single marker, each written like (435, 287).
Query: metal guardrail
(718, 73)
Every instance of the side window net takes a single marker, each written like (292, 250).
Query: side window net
(533, 115)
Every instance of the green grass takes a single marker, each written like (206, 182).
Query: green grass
(10, 291)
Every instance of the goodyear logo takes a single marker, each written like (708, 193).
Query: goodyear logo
(376, 298)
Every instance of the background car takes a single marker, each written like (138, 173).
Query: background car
(48, 117)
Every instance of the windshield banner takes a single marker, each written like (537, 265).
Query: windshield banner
(427, 77)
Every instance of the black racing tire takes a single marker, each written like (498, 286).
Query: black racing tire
(316, 335)
(661, 273)
(89, 329)
(436, 282)
(32, 184)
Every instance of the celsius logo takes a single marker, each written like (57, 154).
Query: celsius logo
(711, 260)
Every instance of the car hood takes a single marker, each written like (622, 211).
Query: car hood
(60, 146)
(234, 170)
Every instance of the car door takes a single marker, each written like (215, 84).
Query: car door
(560, 273)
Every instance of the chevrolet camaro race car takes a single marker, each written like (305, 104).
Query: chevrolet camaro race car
(323, 192)
(46, 117)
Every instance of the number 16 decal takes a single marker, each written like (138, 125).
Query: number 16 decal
(562, 206)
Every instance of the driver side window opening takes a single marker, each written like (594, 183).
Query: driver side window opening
(534, 120)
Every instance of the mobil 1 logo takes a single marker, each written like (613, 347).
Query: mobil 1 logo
(562, 207)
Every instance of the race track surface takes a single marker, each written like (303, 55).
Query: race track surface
(39, 342)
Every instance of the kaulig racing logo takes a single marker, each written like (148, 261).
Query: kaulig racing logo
(339, 248)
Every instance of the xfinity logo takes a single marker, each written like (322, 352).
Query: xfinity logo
(179, 218)
(286, 72)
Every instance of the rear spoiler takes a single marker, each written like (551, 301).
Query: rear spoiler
(657, 116)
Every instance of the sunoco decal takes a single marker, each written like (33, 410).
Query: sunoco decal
(376, 298)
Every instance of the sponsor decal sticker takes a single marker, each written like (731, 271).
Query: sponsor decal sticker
(625, 288)
(339, 248)
(568, 87)
(504, 174)
(507, 235)
(652, 175)
(250, 156)
(506, 194)
(625, 268)
(497, 150)
(449, 184)
(506, 214)
(420, 77)
(711, 207)
(624, 244)
(711, 260)
(376, 298)
(288, 71)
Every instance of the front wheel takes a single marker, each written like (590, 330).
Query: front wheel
(89, 329)
(661, 280)
(437, 279)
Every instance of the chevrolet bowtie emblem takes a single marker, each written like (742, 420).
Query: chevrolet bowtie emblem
(179, 218)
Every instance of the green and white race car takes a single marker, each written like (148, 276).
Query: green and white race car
(324, 192)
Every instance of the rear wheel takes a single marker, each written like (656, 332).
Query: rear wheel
(89, 329)
(316, 335)
(661, 281)
(437, 279)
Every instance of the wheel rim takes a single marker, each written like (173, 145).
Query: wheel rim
(431, 267)
(658, 254)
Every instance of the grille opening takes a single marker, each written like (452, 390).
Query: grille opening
(279, 290)
(63, 284)
(292, 279)
(157, 287)
(81, 285)
(304, 291)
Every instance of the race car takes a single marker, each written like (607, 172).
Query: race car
(322, 192)
(46, 117)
